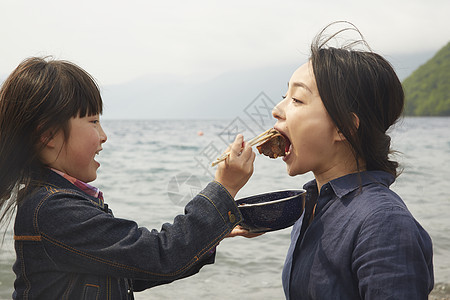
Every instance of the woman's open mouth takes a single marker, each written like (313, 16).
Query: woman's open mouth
(288, 147)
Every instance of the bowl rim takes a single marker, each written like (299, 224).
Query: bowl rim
(301, 192)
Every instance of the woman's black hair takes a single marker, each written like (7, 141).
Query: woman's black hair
(362, 94)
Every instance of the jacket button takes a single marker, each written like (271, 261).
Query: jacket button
(231, 217)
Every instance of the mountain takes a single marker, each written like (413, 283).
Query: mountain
(172, 97)
(427, 89)
(223, 97)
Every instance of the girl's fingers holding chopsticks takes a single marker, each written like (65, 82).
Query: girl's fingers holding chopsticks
(240, 139)
(232, 149)
(238, 166)
(241, 155)
(237, 146)
(247, 153)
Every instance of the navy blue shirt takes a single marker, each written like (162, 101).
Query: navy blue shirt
(362, 243)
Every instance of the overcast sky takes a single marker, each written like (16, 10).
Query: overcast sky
(118, 41)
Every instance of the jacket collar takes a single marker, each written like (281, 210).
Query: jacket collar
(59, 182)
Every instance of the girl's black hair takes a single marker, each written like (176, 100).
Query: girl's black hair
(37, 100)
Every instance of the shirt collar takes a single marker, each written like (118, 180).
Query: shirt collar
(87, 188)
(346, 184)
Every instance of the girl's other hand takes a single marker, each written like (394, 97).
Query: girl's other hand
(240, 231)
(235, 171)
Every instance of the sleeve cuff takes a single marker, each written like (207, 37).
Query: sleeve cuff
(223, 202)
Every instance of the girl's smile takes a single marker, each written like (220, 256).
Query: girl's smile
(76, 155)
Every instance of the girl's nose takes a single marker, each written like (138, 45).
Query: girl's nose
(103, 136)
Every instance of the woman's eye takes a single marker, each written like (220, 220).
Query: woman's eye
(293, 99)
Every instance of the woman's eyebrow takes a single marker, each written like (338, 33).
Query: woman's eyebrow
(302, 85)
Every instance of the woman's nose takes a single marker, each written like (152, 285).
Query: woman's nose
(278, 111)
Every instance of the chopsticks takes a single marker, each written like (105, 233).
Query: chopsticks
(266, 135)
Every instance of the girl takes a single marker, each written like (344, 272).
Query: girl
(68, 244)
(356, 238)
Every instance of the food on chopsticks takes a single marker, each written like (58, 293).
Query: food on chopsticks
(273, 147)
(261, 140)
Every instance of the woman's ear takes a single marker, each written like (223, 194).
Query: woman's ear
(339, 136)
(355, 121)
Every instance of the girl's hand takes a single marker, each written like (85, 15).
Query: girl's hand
(235, 171)
(240, 231)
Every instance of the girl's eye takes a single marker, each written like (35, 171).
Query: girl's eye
(284, 97)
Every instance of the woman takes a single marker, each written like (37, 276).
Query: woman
(356, 238)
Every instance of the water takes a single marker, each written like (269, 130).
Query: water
(142, 159)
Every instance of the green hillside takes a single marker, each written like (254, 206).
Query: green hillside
(427, 90)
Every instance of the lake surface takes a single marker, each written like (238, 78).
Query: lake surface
(150, 169)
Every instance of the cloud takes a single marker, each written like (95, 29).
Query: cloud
(117, 41)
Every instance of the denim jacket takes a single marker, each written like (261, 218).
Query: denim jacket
(70, 246)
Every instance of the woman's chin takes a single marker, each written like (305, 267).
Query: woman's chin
(294, 170)
(290, 171)
(289, 161)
